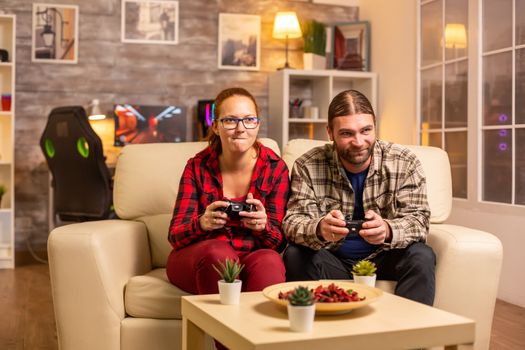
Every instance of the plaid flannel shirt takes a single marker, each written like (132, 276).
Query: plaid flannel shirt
(201, 184)
(395, 188)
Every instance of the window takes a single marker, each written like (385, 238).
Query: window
(497, 91)
(503, 101)
(443, 74)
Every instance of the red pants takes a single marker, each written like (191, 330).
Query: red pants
(191, 269)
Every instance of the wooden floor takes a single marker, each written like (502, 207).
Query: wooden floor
(27, 321)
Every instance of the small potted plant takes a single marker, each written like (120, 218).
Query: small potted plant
(314, 35)
(301, 309)
(365, 272)
(2, 191)
(229, 285)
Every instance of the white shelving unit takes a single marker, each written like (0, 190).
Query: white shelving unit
(7, 133)
(313, 88)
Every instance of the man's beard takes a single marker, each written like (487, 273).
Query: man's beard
(349, 155)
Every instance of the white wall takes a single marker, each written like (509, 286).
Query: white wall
(508, 224)
(393, 51)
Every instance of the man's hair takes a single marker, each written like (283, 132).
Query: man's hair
(349, 102)
(214, 140)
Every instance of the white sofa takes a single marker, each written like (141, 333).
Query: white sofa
(108, 279)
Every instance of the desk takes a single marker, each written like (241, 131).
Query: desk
(258, 324)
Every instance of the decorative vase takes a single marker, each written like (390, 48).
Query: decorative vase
(366, 280)
(313, 61)
(230, 293)
(301, 317)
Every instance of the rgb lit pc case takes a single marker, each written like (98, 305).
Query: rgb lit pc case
(205, 113)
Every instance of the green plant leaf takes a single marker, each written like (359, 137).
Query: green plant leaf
(364, 268)
(314, 35)
(229, 270)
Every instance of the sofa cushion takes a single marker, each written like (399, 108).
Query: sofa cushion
(153, 296)
(157, 227)
(147, 176)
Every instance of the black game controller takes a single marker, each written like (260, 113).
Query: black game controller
(234, 208)
(353, 225)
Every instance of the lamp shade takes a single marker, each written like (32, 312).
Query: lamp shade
(94, 112)
(286, 25)
(455, 36)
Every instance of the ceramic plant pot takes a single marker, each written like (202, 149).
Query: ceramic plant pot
(313, 61)
(301, 317)
(366, 280)
(230, 293)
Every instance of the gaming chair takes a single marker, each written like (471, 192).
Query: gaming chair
(81, 181)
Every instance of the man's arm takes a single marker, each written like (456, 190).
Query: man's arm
(302, 215)
(411, 219)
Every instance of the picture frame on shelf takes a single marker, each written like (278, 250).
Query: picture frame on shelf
(55, 33)
(150, 22)
(239, 42)
(351, 46)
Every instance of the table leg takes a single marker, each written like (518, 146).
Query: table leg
(192, 336)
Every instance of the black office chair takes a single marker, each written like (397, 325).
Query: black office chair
(81, 181)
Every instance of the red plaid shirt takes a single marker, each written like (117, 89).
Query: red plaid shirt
(201, 184)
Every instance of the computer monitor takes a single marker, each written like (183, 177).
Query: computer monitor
(149, 124)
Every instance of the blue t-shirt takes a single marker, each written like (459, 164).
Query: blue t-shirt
(356, 248)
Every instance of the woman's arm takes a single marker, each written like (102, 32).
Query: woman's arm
(184, 227)
(275, 205)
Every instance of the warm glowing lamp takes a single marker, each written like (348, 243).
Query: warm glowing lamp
(286, 26)
(455, 36)
(94, 112)
(103, 127)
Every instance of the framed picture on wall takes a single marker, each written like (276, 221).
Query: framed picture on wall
(351, 46)
(150, 21)
(55, 33)
(239, 41)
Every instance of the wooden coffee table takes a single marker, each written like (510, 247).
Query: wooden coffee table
(391, 322)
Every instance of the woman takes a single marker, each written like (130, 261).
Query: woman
(235, 167)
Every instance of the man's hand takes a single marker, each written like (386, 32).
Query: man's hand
(332, 227)
(375, 230)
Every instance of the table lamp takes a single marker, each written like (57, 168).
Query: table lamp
(455, 36)
(94, 112)
(285, 26)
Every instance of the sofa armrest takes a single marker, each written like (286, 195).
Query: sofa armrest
(467, 274)
(90, 264)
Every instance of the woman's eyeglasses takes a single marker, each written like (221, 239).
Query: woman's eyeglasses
(230, 123)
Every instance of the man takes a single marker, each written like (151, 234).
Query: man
(367, 179)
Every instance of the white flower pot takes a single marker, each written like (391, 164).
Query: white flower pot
(367, 280)
(230, 293)
(313, 61)
(301, 317)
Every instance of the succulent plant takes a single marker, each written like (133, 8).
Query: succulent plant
(314, 35)
(301, 296)
(229, 270)
(364, 268)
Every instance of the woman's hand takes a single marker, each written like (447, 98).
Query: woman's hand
(254, 220)
(213, 218)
